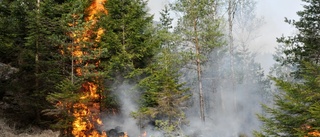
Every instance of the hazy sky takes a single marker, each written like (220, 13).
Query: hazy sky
(273, 12)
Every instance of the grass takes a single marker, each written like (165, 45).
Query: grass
(6, 131)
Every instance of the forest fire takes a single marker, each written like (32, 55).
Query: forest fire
(314, 134)
(87, 114)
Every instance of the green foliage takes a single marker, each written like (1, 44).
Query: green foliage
(63, 100)
(128, 44)
(80, 35)
(198, 27)
(295, 111)
(169, 128)
(33, 31)
(199, 21)
(128, 37)
(36, 40)
(163, 95)
(304, 45)
(12, 29)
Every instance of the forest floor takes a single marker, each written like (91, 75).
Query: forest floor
(11, 131)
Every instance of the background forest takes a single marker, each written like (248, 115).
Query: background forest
(97, 68)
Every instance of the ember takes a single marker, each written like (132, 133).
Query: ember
(314, 133)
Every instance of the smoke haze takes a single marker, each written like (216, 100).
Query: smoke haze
(230, 108)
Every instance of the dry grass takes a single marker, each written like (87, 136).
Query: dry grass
(6, 131)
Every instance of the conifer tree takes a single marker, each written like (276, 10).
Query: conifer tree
(129, 42)
(35, 32)
(83, 83)
(128, 36)
(12, 31)
(63, 99)
(296, 108)
(296, 111)
(199, 29)
(303, 46)
(163, 94)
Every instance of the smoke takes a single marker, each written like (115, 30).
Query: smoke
(124, 122)
(234, 84)
(231, 102)
(128, 98)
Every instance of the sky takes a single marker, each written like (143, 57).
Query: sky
(273, 12)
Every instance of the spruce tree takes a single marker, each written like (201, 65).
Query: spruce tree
(35, 38)
(12, 31)
(129, 42)
(128, 36)
(296, 107)
(43, 41)
(303, 45)
(64, 98)
(295, 110)
(79, 97)
(163, 95)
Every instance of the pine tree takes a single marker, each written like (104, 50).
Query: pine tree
(83, 83)
(128, 37)
(12, 31)
(42, 42)
(199, 29)
(303, 46)
(63, 99)
(296, 107)
(34, 37)
(295, 110)
(129, 42)
(164, 96)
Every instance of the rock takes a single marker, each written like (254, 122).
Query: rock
(112, 133)
(116, 132)
(6, 71)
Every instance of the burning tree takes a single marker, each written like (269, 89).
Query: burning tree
(80, 97)
(105, 45)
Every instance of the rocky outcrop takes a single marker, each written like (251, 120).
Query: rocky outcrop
(6, 71)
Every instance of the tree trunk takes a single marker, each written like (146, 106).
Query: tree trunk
(231, 10)
(37, 52)
(37, 64)
(72, 57)
(198, 61)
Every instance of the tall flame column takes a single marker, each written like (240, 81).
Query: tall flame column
(87, 114)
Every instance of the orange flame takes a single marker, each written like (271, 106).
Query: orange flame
(314, 133)
(87, 114)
